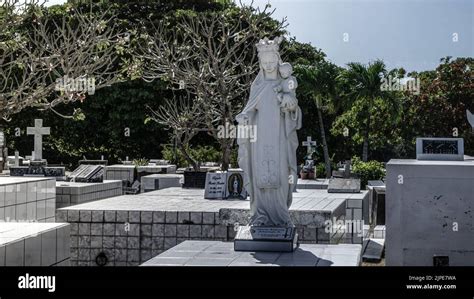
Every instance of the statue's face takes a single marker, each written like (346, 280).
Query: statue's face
(269, 62)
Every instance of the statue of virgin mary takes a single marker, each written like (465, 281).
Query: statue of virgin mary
(270, 161)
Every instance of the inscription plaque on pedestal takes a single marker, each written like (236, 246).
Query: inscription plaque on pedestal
(266, 238)
(440, 149)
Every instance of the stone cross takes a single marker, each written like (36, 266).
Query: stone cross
(347, 169)
(38, 130)
(309, 144)
(2, 139)
(17, 159)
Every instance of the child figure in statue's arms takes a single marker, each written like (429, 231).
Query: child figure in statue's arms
(287, 88)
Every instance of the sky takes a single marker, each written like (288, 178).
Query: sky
(413, 34)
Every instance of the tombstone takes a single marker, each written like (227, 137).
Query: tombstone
(38, 165)
(2, 139)
(440, 149)
(17, 158)
(38, 131)
(347, 169)
(376, 204)
(127, 161)
(337, 185)
(309, 143)
(216, 183)
(235, 185)
(225, 185)
(88, 174)
(308, 171)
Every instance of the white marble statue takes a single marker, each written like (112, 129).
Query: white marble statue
(270, 161)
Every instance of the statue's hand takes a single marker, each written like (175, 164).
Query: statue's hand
(289, 103)
(242, 119)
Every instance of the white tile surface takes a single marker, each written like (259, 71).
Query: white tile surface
(14, 255)
(33, 251)
(48, 248)
(216, 253)
(2, 196)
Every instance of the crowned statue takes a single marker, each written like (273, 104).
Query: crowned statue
(270, 160)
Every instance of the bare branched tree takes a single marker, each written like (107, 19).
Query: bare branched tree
(213, 56)
(60, 57)
(48, 59)
(184, 117)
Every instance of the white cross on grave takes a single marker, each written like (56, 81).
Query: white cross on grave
(309, 144)
(17, 158)
(38, 130)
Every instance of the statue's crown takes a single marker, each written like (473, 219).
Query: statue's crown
(267, 45)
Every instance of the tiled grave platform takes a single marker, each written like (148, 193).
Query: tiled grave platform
(222, 254)
(120, 172)
(153, 169)
(70, 193)
(34, 244)
(27, 198)
(131, 229)
(160, 181)
(312, 184)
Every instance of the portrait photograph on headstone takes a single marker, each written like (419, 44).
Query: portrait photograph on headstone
(180, 146)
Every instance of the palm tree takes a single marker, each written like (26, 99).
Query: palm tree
(363, 85)
(318, 81)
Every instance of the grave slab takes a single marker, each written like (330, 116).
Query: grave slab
(34, 244)
(222, 254)
(73, 193)
(339, 185)
(154, 182)
(312, 184)
(120, 172)
(155, 169)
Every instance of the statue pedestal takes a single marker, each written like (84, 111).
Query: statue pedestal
(265, 238)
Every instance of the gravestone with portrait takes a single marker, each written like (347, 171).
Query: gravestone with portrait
(235, 185)
(269, 162)
(225, 185)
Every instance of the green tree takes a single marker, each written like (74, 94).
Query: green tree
(319, 81)
(363, 96)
